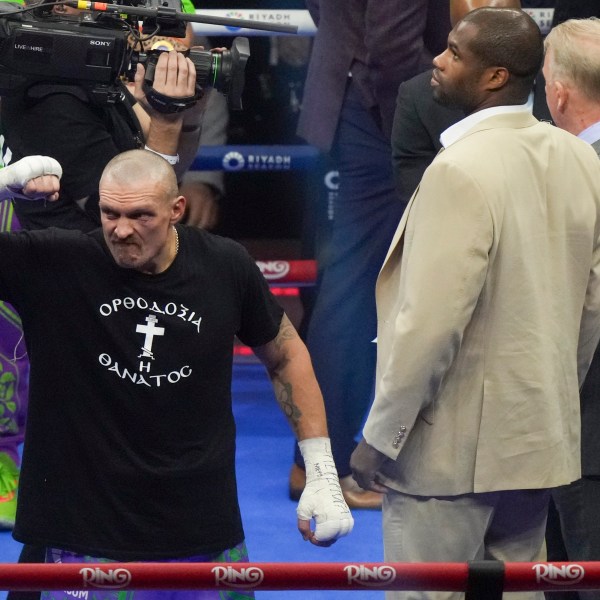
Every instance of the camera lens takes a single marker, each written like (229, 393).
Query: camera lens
(203, 62)
(223, 71)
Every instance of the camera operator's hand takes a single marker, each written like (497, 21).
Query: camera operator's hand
(174, 76)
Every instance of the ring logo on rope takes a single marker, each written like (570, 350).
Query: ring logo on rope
(113, 579)
(558, 575)
(375, 577)
(246, 577)
(273, 269)
(233, 161)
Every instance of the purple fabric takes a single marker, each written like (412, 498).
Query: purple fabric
(14, 364)
(238, 553)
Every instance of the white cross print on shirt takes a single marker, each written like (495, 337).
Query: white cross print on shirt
(150, 330)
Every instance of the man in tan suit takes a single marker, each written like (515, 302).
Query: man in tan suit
(488, 316)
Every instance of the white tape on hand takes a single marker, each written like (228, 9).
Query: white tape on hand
(322, 498)
(15, 176)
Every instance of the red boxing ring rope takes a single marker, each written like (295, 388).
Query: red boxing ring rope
(293, 576)
(282, 273)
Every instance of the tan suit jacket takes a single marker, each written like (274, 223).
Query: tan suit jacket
(489, 313)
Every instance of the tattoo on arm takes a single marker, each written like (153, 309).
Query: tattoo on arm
(284, 391)
(286, 332)
(285, 399)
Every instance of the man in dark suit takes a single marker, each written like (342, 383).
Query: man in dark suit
(573, 98)
(419, 120)
(574, 9)
(363, 49)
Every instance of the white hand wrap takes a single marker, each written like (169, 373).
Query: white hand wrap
(13, 177)
(322, 498)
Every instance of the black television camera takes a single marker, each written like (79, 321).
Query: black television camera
(92, 50)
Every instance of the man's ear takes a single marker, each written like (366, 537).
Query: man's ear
(178, 209)
(561, 93)
(497, 77)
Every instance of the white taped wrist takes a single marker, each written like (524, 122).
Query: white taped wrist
(318, 459)
(322, 498)
(172, 159)
(14, 177)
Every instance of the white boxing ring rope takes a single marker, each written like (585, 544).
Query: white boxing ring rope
(303, 21)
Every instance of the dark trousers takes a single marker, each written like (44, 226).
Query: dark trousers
(342, 325)
(573, 531)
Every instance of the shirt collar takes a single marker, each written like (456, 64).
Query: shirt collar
(458, 130)
(591, 134)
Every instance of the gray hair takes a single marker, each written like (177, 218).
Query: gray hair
(575, 48)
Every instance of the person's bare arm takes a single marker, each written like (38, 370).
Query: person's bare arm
(175, 77)
(297, 392)
(296, 389)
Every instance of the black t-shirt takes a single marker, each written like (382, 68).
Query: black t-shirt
(62, 121)
(130, 441)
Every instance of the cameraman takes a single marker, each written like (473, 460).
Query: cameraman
(66, 122)
(205, 125)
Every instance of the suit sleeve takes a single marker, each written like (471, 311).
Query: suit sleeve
(412, 147)
(313, 8)
(589, 332)
(448, 236)
(396, 49)
(437, 27)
